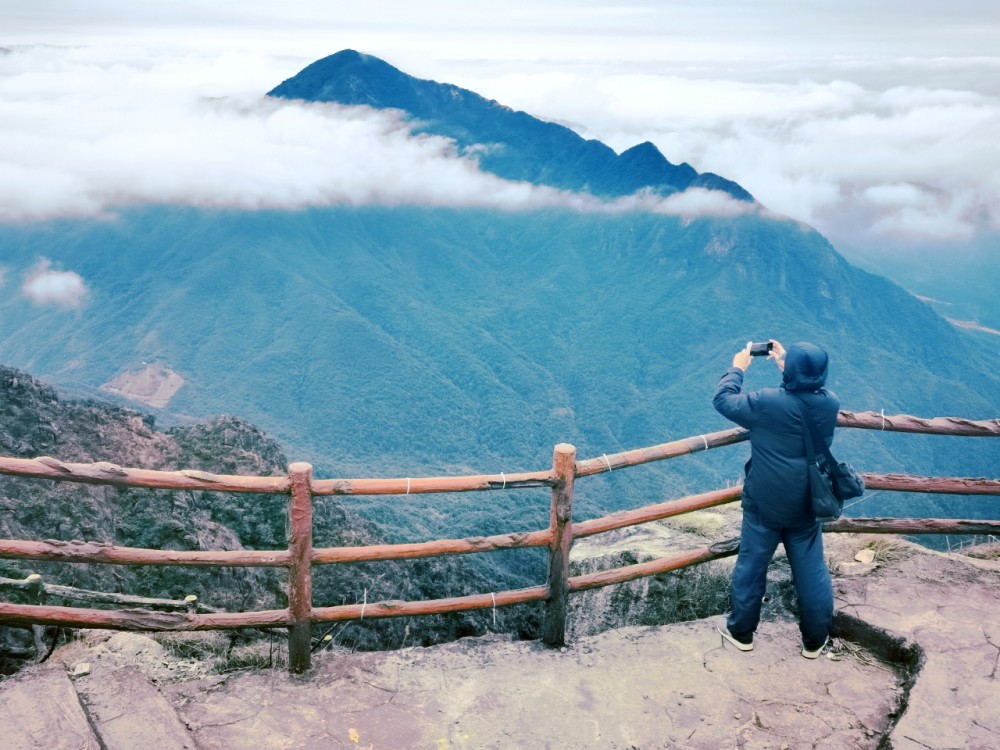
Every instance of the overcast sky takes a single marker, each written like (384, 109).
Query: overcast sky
(875, 122)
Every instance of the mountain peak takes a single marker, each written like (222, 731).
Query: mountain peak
(644, 151)
(522, 148)
(645, 165)
(347, 77)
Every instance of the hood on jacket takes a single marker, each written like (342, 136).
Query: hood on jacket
(805, 367)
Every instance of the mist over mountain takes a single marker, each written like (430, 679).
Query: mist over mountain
(959, 281)
(408, 340)
(513, 145)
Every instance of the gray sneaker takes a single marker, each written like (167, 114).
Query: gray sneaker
(727, 636)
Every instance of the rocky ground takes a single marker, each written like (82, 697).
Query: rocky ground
(915, 665)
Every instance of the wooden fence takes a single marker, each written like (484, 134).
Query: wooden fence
(300, 555)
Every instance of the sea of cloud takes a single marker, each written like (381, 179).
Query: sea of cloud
(868, 151)
(859, 155)
(87, 130)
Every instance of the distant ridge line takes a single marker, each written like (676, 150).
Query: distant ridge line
(526, 148)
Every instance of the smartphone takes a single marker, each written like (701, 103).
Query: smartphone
(761, 350)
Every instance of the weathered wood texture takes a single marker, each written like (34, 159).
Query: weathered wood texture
(36, 586)
(653, 567)
(23, 614)
(137, 619)
(911, 526)
(300, 540)
(420, 485)
(656, 512)
(108, 473)
(870, 420)
(637, 456)
(945, 485)
(561, 527)
(435, 548)
(96, 552)
(432, 607)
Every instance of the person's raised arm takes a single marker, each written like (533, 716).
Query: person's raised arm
(729, 400)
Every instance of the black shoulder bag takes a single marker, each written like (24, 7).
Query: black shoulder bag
(830, 483)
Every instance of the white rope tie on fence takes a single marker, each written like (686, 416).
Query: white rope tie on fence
(504, 477)
(883, 420)
(364, 604)
(407, 485)
(869, 496)
(704, 440)
(605, 457)
(494, 608)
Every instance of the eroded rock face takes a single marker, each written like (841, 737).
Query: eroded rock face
(17, 643)
(35, 422)
(684, 595)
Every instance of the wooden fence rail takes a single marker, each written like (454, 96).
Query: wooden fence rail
(36, 587)
(300, 555)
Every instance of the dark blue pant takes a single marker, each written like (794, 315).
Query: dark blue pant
(804, 547)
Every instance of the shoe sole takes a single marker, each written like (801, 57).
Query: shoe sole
(817, 653)
(727, 637)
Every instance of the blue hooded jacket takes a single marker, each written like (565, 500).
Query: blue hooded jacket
(776, 485)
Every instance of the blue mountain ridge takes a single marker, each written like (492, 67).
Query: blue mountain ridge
(518, 146)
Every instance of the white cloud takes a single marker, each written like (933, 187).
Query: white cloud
(860, 148)
(818, 151)
(85, 131)
(898, 195)
(912, 211)
(695, 202)
(82, 134)
(90, 130)
(44, 285)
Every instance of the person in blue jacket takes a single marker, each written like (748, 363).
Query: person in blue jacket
(775, 494)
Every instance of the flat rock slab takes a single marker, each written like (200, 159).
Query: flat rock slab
(671, 686)
(39, 710)
(129, 713)
(950, 609)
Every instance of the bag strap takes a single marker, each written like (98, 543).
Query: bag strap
(811, 436)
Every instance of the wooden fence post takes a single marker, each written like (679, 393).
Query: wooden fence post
(561, 525)
(300, 547)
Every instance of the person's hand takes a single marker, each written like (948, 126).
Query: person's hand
(777, 354)
(742, 358)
